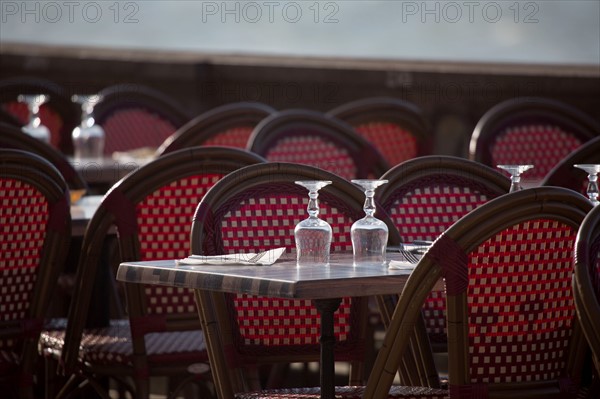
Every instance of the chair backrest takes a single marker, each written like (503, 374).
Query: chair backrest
(60, 115)
(530, 130)
(13, 137)
(256, 208)
(229, 125)
(511, 318)
(313, 138)
(564, 174)
(586, 281)
(134, 116)
(35, 231)
(152, 210)
(395, 127)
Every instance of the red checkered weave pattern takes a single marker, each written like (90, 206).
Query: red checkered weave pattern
(428, 210)
(23, 218)
(268, 222)
(135, 128)
(540, 145)
(395, 143)
(520, 303)
(234, 137)
(48, 117)
(423, 213)
(313, 150)
(164, 224)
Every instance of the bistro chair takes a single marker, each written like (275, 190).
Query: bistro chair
(530, 130)
(34, 238)
(395, 127)
(134, 116)
(152, 211)
(256, 208)
(425, 196)
(586, 283)
(512, 328)
(228, 125)
(59, 114)
(564, 174)
(312, 138)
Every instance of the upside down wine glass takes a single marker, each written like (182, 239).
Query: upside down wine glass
(313, 235)
(34, 127)
(88, 138)
(592, 188)
(515, 175)
(369, 234)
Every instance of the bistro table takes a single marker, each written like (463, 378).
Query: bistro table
(101, 174)
(325, 285)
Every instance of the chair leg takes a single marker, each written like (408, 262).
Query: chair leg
(51, 378)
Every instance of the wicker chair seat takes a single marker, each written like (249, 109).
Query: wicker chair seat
(347, 392)
(112, 345)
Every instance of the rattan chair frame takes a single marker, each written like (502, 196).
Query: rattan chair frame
(209, 124)
(587, 302)
(41, 175)
(527, 109)
(564, 174)
(392, 110)
(117, 209)
(206, 239)
(291, 123)
(462, 238)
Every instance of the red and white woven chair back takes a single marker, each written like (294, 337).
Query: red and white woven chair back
(133, 128)
(234, 137)
(395, 143)
(23, 219)
(314, 150)
(520, 303)
(164, 223)
(425, 210)
(540, 145)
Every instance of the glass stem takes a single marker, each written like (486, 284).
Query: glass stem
(369, 206)
(313, 204)
(592, 189)
(515, 185)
